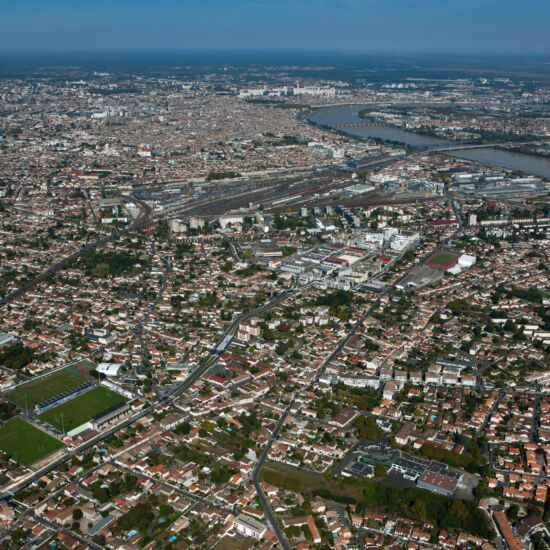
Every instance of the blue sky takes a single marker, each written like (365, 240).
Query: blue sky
(411, 26)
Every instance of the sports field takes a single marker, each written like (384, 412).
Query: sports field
(443, 260)
(49, 386)
(25, 443)
(79, 410)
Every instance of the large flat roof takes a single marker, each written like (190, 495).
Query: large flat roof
(251, 523)
(109, 410)
(437, 480)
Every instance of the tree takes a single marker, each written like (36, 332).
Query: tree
(77, 514)
(419, 510)
(165, 510)
(100, 493)
(380, 470)
(370, 429)
(459, 509)
(513, 512)
(99, 539)
(183, 429)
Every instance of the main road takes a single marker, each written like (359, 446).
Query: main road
(270, 516)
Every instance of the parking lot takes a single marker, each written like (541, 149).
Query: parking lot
(465, 488)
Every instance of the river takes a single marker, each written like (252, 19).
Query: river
(528, 164)
(349, 114)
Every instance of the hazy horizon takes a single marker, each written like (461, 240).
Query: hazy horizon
(482, 27)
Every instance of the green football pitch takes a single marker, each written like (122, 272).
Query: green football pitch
(26, 443)
(77, 411)
(44, 388)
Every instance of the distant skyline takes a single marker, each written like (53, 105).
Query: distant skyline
(369, 26)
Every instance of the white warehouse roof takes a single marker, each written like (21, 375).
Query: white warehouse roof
(466, 260)
(109, 369)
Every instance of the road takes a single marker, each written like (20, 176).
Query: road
(86, 195)
(232, 249)
(458, 218)
(17, 192)
(482, 427)
(206, 256)
(139, 327)
(224, 342)
(536, 412)
(404, 540)
(270, 516)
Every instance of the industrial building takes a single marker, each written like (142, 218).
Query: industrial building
(441, 483)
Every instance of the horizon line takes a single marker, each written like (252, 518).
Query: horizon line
(312, 51)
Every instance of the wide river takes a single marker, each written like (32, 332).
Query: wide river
(349, 114)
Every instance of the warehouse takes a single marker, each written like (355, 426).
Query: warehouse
(109, 369)
(437, 483)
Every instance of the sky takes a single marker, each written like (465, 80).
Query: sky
(359, 26)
